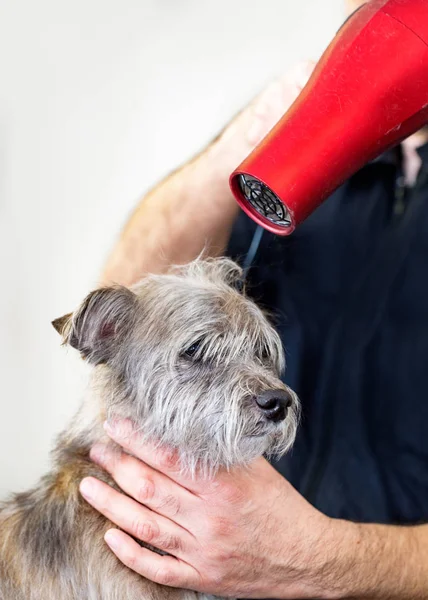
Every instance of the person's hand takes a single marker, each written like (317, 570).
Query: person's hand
(244, 533)
(244, 132)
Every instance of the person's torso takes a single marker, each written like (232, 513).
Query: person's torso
(350, 294)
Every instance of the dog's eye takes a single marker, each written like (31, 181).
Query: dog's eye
(193, 349)
(264, 353)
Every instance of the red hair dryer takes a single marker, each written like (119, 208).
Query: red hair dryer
(367, 93)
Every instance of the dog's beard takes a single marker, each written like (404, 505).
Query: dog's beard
(223, 433)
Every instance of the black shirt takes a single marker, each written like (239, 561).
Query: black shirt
(349, 289)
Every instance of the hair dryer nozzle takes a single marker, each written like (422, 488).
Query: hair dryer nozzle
(367, 93)
(263, 201)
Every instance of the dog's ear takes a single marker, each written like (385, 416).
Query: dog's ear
(62, 323)
(99, 324)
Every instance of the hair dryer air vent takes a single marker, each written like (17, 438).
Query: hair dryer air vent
(264, 200)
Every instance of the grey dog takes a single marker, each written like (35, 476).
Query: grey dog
(196, 365)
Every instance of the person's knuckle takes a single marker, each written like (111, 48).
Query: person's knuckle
(219, 527)
(224, 492)
(167, 459)
(231, 493)
(218, 555)
(224, 526)
(172, 543)
(146, 491)
(165, 576)
(144, 530)
(171, 504)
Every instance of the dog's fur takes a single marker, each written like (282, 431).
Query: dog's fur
(183, 355)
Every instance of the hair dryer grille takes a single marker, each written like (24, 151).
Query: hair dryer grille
(264, 200)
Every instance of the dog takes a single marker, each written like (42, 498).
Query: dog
(196, 365)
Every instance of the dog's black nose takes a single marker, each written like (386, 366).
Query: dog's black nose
(274, 404)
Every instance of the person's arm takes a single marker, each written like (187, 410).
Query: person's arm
(246, 533)
(383, 562)
(193, 209)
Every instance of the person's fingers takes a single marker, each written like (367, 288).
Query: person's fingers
(139, 521)
(275, 100)
(298, 75)
(146, 485)
(165, 570)
(163, 459)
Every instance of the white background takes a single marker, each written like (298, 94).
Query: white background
(99, 99)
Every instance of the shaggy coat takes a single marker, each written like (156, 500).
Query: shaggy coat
(184, 355)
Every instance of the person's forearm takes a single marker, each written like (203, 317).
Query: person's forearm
(378, 562)
(193, 210)
(190, 212)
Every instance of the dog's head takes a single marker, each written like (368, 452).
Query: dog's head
(192, 361)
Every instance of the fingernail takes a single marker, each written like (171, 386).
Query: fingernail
(87, 488)
(99, 454)
(110, 426)
(111, 539)
(118, 428)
